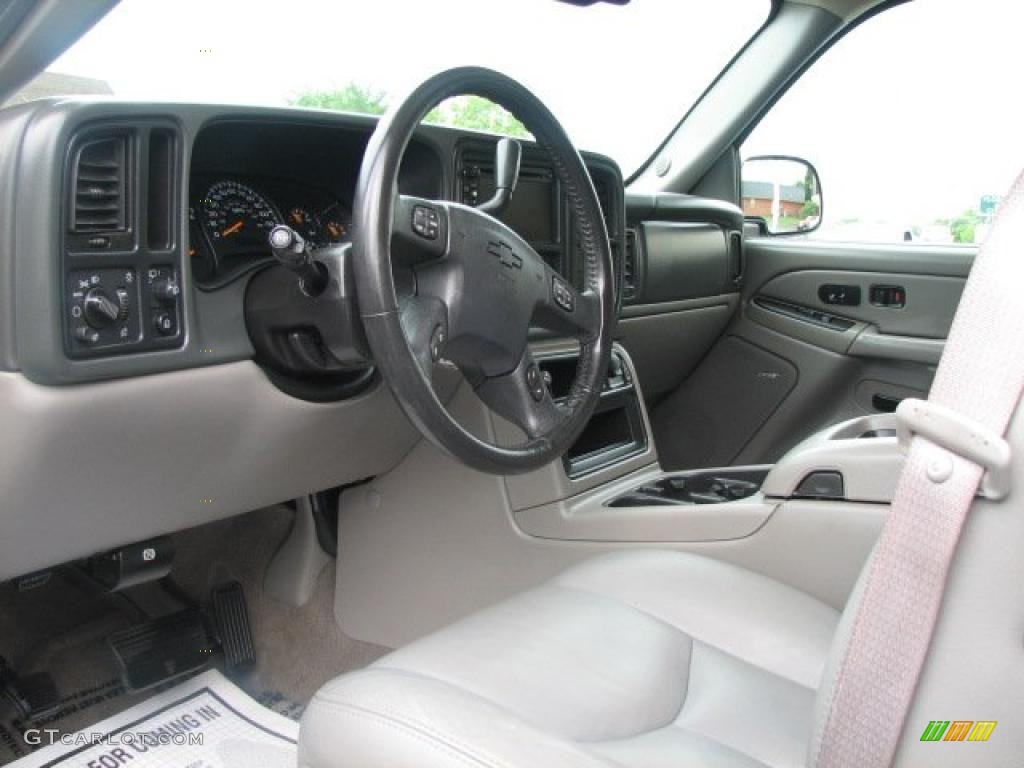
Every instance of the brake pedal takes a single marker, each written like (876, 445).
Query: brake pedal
(160, 650)
(180, 643)
(34, 696)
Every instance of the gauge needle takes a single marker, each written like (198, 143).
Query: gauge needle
(233, 228)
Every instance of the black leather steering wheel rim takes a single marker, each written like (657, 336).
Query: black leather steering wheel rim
(476, 265)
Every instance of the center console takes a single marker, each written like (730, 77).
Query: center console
(846, 471)
(858, 460)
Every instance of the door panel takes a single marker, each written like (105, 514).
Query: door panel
(847, 360)
(928, 302)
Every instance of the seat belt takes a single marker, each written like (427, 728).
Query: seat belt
(955, 443)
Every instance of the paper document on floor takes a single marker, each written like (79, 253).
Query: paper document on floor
(205, 722)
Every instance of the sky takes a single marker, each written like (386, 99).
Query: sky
(912, 117)
(619, 78)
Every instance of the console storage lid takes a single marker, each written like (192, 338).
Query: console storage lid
(855, 460)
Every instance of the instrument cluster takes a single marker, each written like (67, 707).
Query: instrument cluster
(230, 218)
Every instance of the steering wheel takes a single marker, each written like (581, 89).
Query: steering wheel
(470, 288)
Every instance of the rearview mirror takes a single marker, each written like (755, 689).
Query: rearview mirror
(783, 193)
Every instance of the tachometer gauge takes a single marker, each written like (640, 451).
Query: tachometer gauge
(303, 222)
(237, 219)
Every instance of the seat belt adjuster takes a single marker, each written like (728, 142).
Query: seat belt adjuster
(961, 435)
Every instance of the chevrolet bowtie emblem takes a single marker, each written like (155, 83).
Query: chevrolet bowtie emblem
(506, 256)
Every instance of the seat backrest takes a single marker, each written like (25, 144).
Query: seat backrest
(975, 667)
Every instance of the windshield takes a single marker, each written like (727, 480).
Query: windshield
(619, 78)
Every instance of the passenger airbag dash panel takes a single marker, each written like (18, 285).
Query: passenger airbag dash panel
(684, 261)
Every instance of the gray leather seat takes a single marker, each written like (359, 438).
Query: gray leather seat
(641, 658)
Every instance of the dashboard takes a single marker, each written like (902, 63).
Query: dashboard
(158, 368)
(156, 218)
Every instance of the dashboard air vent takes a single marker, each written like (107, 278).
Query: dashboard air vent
(629, 274)
(100, 199)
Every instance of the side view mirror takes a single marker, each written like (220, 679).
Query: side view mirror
(784, 193)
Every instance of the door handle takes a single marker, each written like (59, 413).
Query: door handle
(885, 403)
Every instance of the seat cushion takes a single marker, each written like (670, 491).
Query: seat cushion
(640, 658)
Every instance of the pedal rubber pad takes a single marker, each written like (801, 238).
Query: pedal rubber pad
(160, 650)
(33, 696)
(231, 626)
(39, 692)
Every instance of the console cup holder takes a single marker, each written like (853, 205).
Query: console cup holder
(701, 487)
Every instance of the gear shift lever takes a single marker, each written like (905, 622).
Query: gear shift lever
(506, 173)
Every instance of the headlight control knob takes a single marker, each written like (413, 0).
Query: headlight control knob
(99, 309)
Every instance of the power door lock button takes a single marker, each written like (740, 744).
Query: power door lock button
(843, 295)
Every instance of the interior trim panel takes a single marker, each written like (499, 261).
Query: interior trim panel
(185, 448)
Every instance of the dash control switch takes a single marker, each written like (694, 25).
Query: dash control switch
(164, 302)
(101, 314)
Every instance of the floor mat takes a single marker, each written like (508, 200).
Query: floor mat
(204, 722)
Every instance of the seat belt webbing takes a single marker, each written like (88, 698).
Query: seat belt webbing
(980, 376)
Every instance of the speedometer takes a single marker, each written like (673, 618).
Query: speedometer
(237, 219)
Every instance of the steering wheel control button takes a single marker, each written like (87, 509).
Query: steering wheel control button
(535, 382)
(426, 222)
(164, 323)
(562, 294)
(437, 342)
